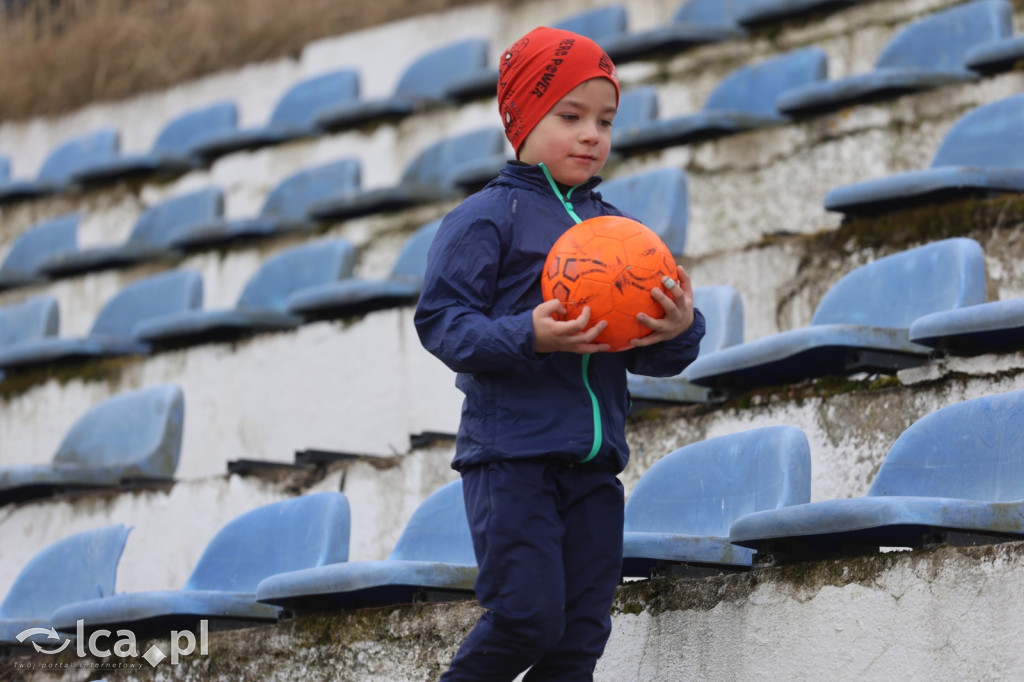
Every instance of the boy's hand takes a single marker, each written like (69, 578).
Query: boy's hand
(570, 336)
(678, 305)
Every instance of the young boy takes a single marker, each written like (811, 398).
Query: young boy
(542, 435)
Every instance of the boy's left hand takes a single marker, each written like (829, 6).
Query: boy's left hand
(678, 305)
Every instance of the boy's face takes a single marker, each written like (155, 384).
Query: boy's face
(574, 138)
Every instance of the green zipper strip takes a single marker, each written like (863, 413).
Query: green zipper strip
(598, 433)
(595, 406)
(565, 200)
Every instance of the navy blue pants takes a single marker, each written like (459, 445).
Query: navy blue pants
(548, 541)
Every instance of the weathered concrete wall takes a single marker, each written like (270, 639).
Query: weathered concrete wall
(939, 614)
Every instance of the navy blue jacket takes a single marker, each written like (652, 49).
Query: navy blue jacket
(475, 314)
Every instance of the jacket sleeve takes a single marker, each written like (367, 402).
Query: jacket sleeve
(455, 316)
(668, 358)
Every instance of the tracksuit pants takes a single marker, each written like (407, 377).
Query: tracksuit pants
(548, 542)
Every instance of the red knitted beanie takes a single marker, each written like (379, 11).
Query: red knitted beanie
(539, 69)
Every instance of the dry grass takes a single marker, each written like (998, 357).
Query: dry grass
(58, 59)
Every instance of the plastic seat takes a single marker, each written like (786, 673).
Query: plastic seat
(150, 239)
(43, 240)
(759, 12)
(283, 212)
(681, 509)
(657, 198)
(172, 151)
(61, 166)
(293, 117)
(744, 100)
(34, 318)
(955, 475)
(695, 22)
(433, 554)
(358, 296)
(861, 324)
(982, 155)
(78, 567)
(926, 54)
(995, 327)
(722, 308)
(473, 175)
(995, 56)
(638, 107)
(428, 178)
(134, 436)
(600, 25)
(302, 532)
(422, 84)
(114, 331)
(263, 304)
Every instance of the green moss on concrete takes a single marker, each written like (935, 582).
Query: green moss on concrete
(333, 629)
(108, 370)
(905, 227)
(824, 387)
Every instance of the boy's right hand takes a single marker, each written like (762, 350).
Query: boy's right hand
(570, 336)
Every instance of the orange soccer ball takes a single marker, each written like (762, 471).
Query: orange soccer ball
(610, 264)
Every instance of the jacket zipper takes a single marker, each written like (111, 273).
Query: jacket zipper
(594, 404)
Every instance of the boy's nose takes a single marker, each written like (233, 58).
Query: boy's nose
(588, 132)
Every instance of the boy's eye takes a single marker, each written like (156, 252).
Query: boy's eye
(570, 117)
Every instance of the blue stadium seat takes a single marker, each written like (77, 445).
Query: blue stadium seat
(722, 308)
(422, 84)
(75, 568)
(135, 436)
(638, 107)
(982, 155)
(27, 321)
(759, 12)
(61, 166)
(995, 327)
(744, 100)
(358, 296)
(926, 54)
(657, 198)
(695, 22)
(263, 304)
(600, 25)
(281, 537)
(861, 324)
(113, 332)
(41, 241)
(33, 318)
(995, 56)
(172, 152)
(151, 237)
(956, 475)
(473, 175)
(283, 212)
(293, 117)
(429, 177)
(680, 511)
(5, 169)
(433, 555)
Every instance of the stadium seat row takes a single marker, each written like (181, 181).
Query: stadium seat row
(724, 504)
(954, 45)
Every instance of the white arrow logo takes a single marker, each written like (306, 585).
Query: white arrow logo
(51, 633)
